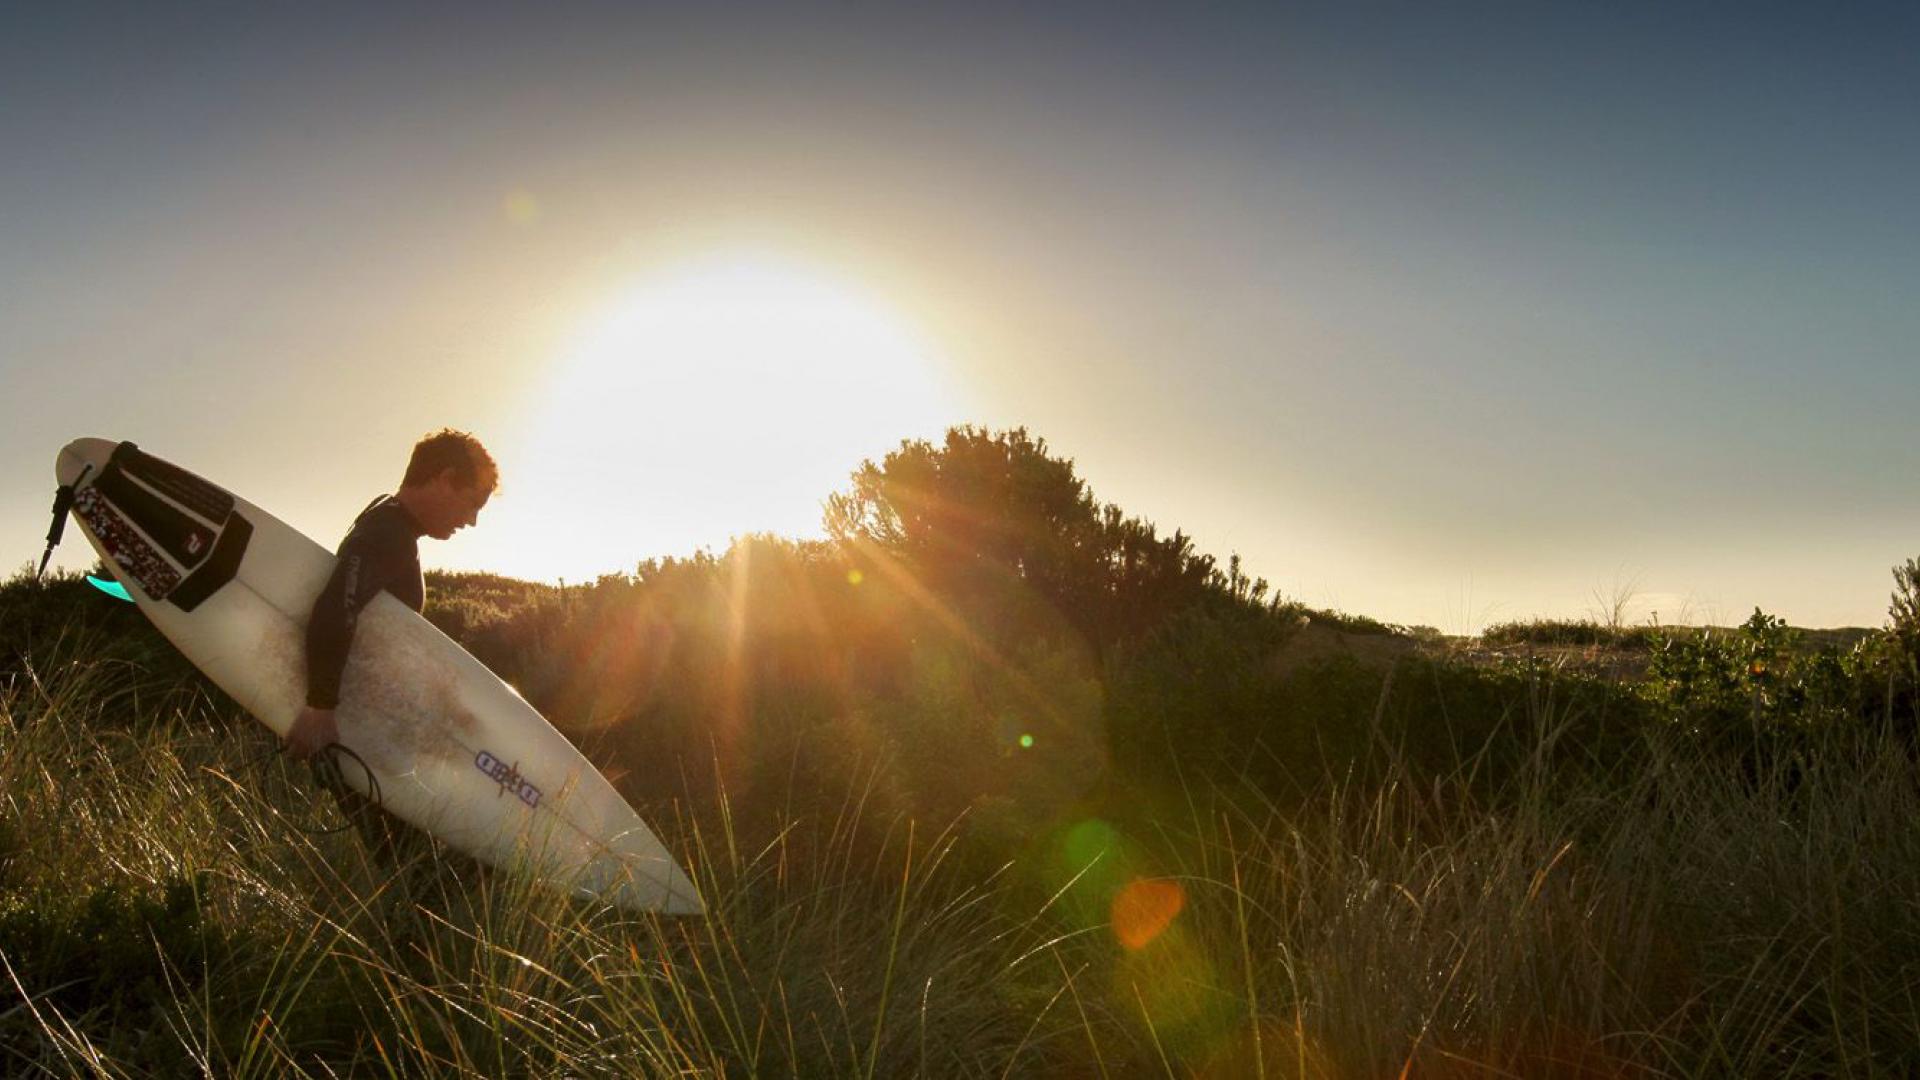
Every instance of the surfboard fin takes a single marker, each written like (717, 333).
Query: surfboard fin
(110, 587)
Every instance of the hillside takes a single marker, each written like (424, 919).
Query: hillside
(998, 780)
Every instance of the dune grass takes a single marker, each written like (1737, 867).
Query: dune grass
(167, 908)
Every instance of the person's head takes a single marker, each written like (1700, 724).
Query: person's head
(449, 478)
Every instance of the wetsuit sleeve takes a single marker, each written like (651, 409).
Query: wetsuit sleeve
(370, 560)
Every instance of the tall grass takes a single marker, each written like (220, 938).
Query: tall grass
(166, 907)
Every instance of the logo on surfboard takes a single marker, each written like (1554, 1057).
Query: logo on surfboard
(508, 777)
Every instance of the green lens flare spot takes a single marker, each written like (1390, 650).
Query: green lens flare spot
(1026, 742)
(1089, 842)
(1091, 863)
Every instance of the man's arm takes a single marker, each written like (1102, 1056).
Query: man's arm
(369, 560)
(335, 614)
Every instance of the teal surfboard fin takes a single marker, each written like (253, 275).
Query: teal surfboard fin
(110, 587)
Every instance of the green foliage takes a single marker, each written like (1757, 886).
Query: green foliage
(1347, 623)
(63, 614)
(1014, 541)
(1903, 645)
(1625, 907)
(1903, 613)
(1575, 632)
(1759, 681)
(113, 946)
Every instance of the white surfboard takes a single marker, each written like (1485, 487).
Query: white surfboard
(451, 747)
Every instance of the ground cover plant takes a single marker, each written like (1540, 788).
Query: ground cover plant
(997, 781)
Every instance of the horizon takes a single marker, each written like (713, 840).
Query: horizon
(1445, 319)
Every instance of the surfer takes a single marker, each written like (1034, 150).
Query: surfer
(447, 483)
(449, 479)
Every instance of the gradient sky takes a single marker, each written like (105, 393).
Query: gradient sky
(1445, 314)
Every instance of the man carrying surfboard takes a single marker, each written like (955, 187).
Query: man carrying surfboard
(448, 481)
(454, 764)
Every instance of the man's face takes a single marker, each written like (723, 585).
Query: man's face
(454, 505)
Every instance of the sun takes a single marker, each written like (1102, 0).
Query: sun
(717, 397)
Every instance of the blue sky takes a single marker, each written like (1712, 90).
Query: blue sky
(1444, 316)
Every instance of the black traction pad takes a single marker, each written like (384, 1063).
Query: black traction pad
(219, 569)
(120, 510)
(128, 549)
(178, 534)
(200, 496)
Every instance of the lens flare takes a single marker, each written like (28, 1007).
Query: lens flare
(1145, 908)
(1178, 992)
(1087, 843)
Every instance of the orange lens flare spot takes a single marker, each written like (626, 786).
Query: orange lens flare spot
(1145, 908)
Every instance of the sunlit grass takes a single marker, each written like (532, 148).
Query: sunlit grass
(167, 906)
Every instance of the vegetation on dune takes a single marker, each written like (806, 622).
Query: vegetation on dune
(1588, 632)
(997, 780)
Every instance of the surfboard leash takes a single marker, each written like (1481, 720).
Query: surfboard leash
(324, 769)
(63, 497)
(326, 773)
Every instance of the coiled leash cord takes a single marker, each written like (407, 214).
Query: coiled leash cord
(324, 769)
(326, 773)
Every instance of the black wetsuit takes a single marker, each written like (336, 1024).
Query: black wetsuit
(381, 551)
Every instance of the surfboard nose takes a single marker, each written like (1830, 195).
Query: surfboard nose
(77, 455)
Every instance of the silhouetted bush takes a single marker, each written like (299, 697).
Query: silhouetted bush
(1571, 632)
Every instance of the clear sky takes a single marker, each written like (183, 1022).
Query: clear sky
(1444, 314)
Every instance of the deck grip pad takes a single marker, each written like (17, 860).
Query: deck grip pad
(200, 496)
(177, 533)
(128, 549)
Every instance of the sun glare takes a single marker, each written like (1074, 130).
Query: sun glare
(714, 399)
